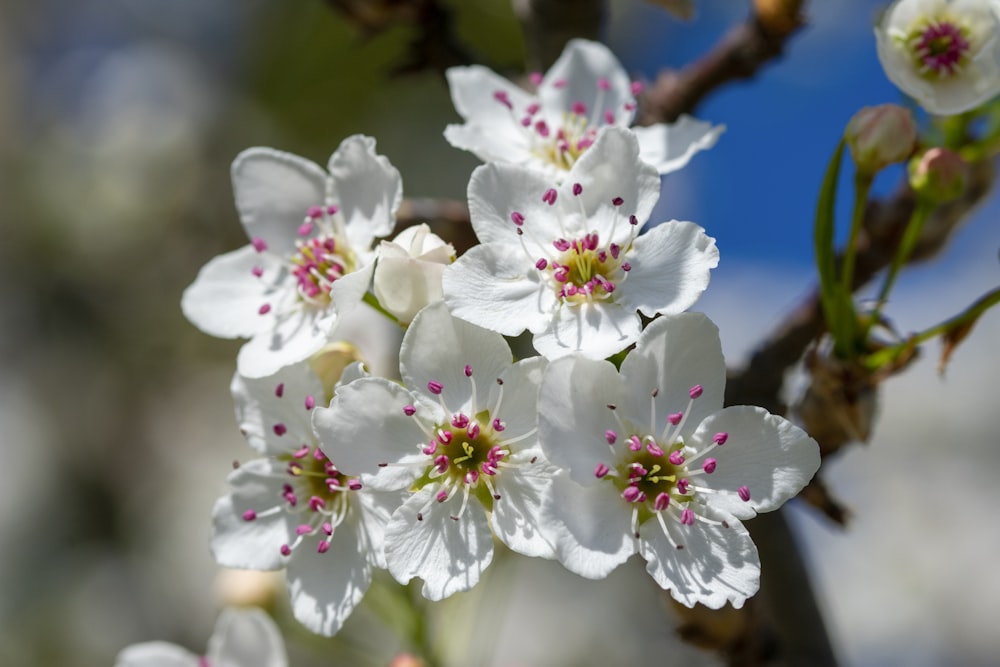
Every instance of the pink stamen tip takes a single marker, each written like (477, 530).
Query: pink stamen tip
(468, 371)
(441, 463)
(316, 503)
(615, 250)
(720, 438)
(502, 97)
(682, 486)
(550, 196)
(603, 84)
(654, 448)
(323, 546)
(472, 477)
(431, 448)
(634, 443)
(611, 437)
(303, 529)
(676, 458)
(526, 121)
(696, 391)
(280, 429)
(600, 470)
(310, 402)
(460, 421)
(354, 485)
(517, 218)
(577, 189)
(332, 210)
(314, 212)
(444, 437)
(559, 83)
(250, 515)
(632, 220)
(498, 425)
(542, 128)
(562, 245)
(259, 244)
(265, 309)
(301, 452)
(662, 501)
(532, 108)
(535, 78)
(744, 493)
(327, 527)
(541, 264)
(636, 87)
(435, 387)
(617, 201)
(579, 108)
(473, 431)
(441, 496)
(257, 271)
(305, 229)
(630, 106)
(687, 517)
(631, 494)
(709, 466)
(675, 418)
(279, 391)
(409, 410)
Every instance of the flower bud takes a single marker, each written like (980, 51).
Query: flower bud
(880, 136)
(939, 175)
(329, 363)
(408, 272)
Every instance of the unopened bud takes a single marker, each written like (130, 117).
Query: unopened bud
(939, 175)
(880, 136)
(329, 363)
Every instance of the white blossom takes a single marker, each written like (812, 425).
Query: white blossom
(310, 255)
(656, 465)
(242, 638)
(943, 53)
(585, 90)
(566, 261)
(460, 437)
(408, 271)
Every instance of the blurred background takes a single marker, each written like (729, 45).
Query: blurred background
(118, 121)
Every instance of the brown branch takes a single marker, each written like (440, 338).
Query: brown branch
(549, 24)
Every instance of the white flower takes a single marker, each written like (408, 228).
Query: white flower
(461, 437)
(242, 638)
(309, 259)
(657, 466)
(586, 89)
(295, 509)
(408, 271)
(943, 53)
(567, 262)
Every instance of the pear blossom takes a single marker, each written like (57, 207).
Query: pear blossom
(566, 261)
(460, 437)
(585, 90)
(242, 638)
(943, 53)
(408, 271)
(656, 465)
(310, 257)
(294, 508)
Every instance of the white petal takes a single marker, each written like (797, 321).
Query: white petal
(449, 555)
(225, 299)
(491, 130)
(156, 654)
(596, 330)
(669, 147)
(365, 426)
(593, 525)
(573, 415)
(326, 587)
(518, 409)
(438, 347)
(256, 544)
(716, 565)
(348, 292)
(769, 455)
(498, 190)
(670, 268)
(367, 188)
(520, 517)
(297, 335)
(611, 168)
(246, 638)
(675, 353)
(494, 287)
(405, 285)
(259, 408)
(580, 66)
(502, 144)
(375, 509)
(274, 190)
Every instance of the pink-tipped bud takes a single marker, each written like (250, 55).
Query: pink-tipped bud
(695, 391)
(617, 201)
(435, 387)
(709, 466)
(939, 175)
(744, 493)
(880, 136)
(409, 410)
(600, 470)
(675, 418)
(720, 438)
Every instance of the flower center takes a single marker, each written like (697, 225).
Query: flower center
(585, 271)
(567, 144)
(323, 259)
(940, 48)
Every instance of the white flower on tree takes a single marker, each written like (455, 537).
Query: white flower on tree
(242, 638)
(656, 465)
(943, 53)
(460, 436)
(408, 271)
(585, 90)
(566, 261)
(294, 508)
(310, 255)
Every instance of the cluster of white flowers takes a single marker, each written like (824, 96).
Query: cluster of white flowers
(559, 456)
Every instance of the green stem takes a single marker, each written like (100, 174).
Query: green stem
(909, 241)
(373, 302)
(862, 184)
